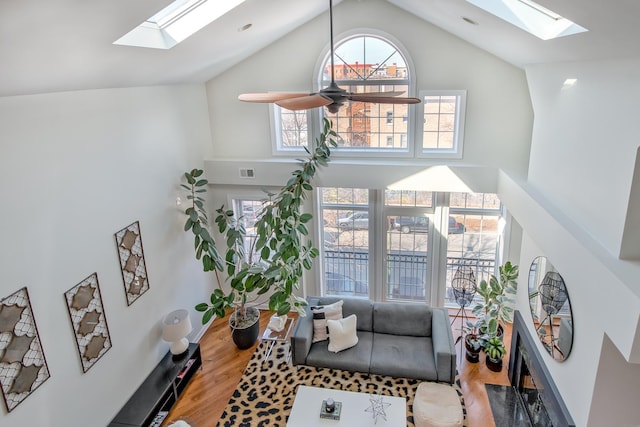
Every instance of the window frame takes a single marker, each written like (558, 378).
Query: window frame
(458, 142)
(437, 255)
(277, 148)
(409, 81)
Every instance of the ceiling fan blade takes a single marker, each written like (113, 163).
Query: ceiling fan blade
(270, 97)
(382, 99)
(396, 93)
(305, 103)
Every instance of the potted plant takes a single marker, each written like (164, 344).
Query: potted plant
(472, 341)
(495, 351)
(278, 255)
(498, 297)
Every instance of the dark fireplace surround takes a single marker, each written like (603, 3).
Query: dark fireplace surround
(532, 381)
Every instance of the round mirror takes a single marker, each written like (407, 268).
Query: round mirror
(550, 308)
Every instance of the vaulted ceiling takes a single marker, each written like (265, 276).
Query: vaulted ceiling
(60, 45)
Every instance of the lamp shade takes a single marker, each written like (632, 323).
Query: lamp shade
(553, 292)
(176, 325)
(463, 285)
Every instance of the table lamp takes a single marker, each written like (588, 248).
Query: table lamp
(175, 328)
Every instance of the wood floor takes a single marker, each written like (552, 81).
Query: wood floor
(223, 364)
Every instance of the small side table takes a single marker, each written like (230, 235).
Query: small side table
(282, 338)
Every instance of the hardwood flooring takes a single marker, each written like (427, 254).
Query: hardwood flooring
(207, 395)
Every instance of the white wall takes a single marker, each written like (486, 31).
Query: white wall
(585, 142)
(601, 303)
(498, 118)
(573, 209)
(75, 168)
(615, 398)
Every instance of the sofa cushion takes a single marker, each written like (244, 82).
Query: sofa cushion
(356, 358)
(321, 314)
(361, 307)
(342, 333)
(402, 319)
(403, 356)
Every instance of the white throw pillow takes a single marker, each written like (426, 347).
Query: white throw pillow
(321, 314)
(342, 333)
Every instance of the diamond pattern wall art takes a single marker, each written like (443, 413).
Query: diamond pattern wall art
(88, 319)
(23, 367)
(132, 265)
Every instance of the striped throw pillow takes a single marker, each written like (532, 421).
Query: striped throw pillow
(321, 314)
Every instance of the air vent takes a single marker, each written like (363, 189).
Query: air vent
(247, 173)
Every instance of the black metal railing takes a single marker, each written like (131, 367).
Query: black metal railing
(346, 273)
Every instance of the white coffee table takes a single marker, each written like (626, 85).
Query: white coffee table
(306, 409)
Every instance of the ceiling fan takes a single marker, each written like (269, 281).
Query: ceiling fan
(333, 96)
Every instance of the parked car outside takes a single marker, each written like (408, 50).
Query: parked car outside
(336, 284)
(354, 221)
(407, 224)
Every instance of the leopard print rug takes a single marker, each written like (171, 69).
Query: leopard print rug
(267, 389)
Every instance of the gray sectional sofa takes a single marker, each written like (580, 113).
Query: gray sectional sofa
(395, 339)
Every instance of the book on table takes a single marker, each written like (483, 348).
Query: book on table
(330, 415)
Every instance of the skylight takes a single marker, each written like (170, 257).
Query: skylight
(176, 22)
(531, 17)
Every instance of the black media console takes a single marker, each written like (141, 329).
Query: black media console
(159, 392)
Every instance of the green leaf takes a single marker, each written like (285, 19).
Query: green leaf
(197, 172)
(265, 252)
(202, 307)
(302, 229)
(189, 178)
(206, 317)
(201, 182)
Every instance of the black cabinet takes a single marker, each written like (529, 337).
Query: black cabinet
(160, 391)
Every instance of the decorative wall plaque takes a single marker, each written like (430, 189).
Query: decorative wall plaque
(89, 322)
(23, 367)
(132, 265)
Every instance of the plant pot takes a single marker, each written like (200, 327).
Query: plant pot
(245, 335)
(472, 355)
(494, 365)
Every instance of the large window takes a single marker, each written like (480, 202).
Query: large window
(404, 245)
(365, 63)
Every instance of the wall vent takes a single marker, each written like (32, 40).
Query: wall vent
(247, 173)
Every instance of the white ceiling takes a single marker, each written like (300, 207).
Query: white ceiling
(60, 45)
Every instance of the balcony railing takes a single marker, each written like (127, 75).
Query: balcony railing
(346, 273)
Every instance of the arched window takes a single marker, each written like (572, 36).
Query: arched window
(370, 63)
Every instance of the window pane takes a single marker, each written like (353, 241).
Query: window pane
(408, 198)
(365, 64)
(366, 125)
(474, 201)
(345, 251)
(293, 125)
(248, 211)
(442, 124)
(474, 245)
(345, 247)
(345, 196)
(366, 57)
(406, 260)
